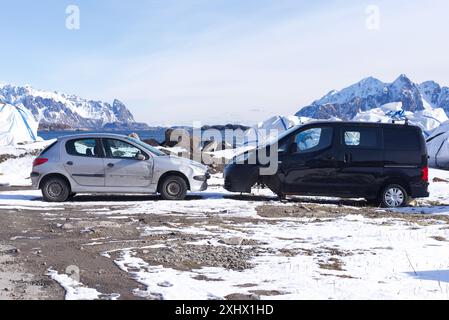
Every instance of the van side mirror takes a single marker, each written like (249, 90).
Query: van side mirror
(293, 148)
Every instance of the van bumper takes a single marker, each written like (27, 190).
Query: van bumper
(240, 177)
(420, 190)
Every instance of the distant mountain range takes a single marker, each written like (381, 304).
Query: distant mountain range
(56, 110)
(371, 93)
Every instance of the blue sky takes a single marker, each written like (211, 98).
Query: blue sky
(176, 61)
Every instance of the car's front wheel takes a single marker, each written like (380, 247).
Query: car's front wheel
(173, 188)
(394, 196)
(55, 189)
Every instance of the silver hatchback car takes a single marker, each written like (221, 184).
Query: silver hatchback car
(113, 164)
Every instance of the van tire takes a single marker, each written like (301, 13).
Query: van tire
(55, 189)
(394, 196)
(173, 188)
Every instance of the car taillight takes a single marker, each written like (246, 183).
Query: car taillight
(39, 161)
(425, 174)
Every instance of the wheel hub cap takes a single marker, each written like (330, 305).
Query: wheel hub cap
(55, 190)
(394, 197)
(174, 188)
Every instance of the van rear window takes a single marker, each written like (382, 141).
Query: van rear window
(402, 139)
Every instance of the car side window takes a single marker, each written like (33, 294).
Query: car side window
(88, 148)
(368, 138)
(118, 149)
(314, 139)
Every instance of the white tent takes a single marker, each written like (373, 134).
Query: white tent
(438, 147)
(17, 125)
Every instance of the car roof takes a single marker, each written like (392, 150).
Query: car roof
(92, 135)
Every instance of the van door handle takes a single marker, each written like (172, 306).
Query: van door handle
(110, 165)
(70, 163)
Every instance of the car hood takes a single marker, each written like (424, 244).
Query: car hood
(188, 162)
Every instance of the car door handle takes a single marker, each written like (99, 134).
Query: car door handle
(70, 163)
(110, 165)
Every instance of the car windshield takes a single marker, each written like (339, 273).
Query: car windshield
(153, 150)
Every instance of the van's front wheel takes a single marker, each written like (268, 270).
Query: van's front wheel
(394, 196)
(173, 188)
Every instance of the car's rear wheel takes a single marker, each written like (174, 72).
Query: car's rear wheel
(173, 188)
(55, 189)
(394, 196)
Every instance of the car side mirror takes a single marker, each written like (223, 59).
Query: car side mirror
(141, 157)
(293, 148)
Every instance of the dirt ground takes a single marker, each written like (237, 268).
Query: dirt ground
(32, 242)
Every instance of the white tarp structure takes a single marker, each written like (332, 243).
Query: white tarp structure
(270, 129)
(428, 119)
(17, 125)
(438, 147)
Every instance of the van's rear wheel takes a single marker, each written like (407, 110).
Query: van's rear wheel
(394, 196)
(173, 188)
(55, 190)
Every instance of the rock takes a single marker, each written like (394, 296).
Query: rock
(239, 297)
(235, 241)
(7, 249)
(67, 226)
(165, 284)
(436, 179)
(152, 142)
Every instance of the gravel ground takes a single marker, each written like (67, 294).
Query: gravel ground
(32, 242)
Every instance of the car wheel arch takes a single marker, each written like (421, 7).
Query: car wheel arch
(54, 175)
(172, 173)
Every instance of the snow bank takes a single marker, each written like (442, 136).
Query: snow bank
(75, 290)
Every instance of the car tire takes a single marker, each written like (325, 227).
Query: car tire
(394, 196)
(173, 188)
(55, 190)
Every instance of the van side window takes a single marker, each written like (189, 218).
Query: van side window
(314, 139)
(361, 138)
(88, 148)
(402, 139)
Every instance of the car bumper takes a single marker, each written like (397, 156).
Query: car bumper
(35, 180)
(199, 183)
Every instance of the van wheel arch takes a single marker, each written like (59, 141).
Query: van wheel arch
(169, 174)
(395, 180)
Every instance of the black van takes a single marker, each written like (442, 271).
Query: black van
(387, 164)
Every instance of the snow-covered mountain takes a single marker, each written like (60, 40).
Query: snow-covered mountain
(371, 93)
(55, 109)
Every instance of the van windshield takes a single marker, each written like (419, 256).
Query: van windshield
(144, 145)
